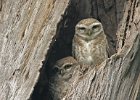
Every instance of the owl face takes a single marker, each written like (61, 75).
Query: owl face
(88, 29)
(64, 67)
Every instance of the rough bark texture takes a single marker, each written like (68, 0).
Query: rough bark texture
(27, 28)
(119, 76)
(117, 79)
(31, 29)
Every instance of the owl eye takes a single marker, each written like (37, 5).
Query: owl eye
(96, 28)
(56, 69)
(67, 66)
(81, 28)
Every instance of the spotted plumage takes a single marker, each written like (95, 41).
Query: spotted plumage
(60, 80)
(89, 42)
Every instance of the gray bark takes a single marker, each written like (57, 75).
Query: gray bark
(26, 31)
(29, 28)
(117, 79)
(119, 76)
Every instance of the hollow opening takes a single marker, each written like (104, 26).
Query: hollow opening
(62, 47)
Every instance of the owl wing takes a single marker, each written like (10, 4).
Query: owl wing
(73, 49)
(108, 51)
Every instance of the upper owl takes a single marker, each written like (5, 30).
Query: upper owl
(89, 42)
(88, 29)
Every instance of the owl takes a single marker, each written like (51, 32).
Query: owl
(60, 80)
(89, 43)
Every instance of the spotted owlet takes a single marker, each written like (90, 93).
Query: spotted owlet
(89, 43)
(60, 80)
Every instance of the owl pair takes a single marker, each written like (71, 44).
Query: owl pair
(89, 47)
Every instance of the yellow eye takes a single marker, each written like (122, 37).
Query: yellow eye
(68, 66)
(96, 28)
(55, 70)
(81, 28)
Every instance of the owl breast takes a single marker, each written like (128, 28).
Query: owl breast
(92, 52)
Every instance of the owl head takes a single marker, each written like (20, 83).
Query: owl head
(64, 67)
(88, 29)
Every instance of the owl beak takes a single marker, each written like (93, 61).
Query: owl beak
(89, 33)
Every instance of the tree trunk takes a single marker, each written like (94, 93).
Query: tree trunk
(119, 76)
(27, 28)
(32, 29)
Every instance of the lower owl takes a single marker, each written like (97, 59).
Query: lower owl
(61, 79)
(89, 43)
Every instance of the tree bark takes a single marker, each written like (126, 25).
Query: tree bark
(31, 29)
(117, 79)
(27, 28)
(119, 76)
